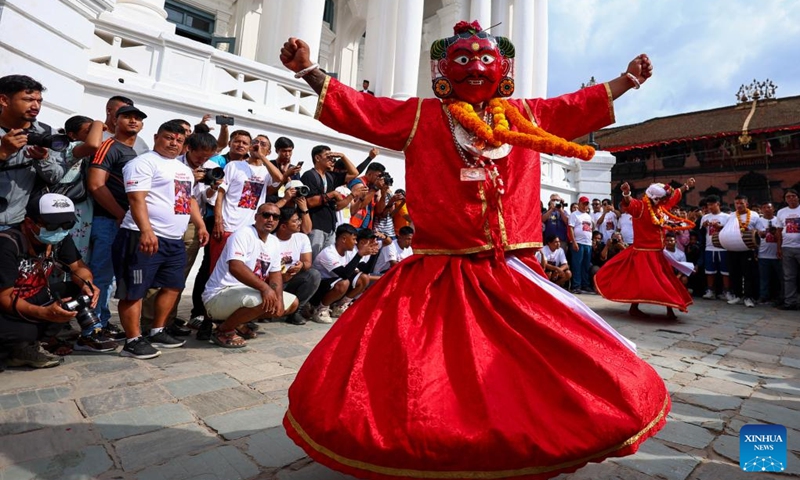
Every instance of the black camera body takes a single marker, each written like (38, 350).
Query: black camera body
(558, 204)
(224, 120)
(302, 191)
(212, 175)
(387, 179)
(57, 142)
(85, 315)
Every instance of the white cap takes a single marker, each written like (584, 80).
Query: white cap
(55, 209)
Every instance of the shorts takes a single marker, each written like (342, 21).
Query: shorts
(325, 286)
(137, 271)
(229, 299)
(716, 262)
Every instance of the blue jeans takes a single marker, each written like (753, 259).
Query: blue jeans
(770, 275)
(581, 267)
(104, 231)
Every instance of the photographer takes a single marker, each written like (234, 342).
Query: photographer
(23, 155)
(372, 203)
(556, 220)
(296, 196)
(556, 265)
(284, 147)
(323, 200)
(613, 246)
(29, 300)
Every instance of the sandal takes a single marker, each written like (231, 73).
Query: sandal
(228, 339)
(57, 346)
(247, 332)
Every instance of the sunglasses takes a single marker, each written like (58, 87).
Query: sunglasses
(56, 226)
(274, 216)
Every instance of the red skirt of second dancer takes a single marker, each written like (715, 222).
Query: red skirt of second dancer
(464, 367)
(641, 276)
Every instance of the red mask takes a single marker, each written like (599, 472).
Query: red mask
(474, 67)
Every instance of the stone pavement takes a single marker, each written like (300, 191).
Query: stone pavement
(203, 412)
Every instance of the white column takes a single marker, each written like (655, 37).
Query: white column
(145, 12)
(380, 46)
(523, 38)
(369, 67)
(540, 46)
(481, 10)
(500, 15)
(280, 20)
(409, 35)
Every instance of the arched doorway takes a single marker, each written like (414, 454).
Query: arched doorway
(755, 187)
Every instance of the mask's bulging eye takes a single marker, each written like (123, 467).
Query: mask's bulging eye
(461, 60)
(487, 59)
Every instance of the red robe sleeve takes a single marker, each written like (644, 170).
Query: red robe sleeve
(381, 121)
(674, 199)
(574, 114)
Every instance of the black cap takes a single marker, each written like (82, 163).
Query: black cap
(130, 109)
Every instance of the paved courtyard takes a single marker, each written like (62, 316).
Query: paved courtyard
(203, 412)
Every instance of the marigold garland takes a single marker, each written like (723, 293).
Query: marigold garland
(529, 135)
(663, 215)
(743, 226)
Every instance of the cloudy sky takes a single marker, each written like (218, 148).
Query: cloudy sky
(702, 50)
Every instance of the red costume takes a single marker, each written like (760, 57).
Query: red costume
(641, 272)
(462, 362)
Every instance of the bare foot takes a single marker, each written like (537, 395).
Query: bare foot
(635, 312)
(670, 314)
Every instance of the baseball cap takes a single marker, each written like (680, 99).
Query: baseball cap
(583, 200)
(53, 209)
(365, 233)
(130, 109)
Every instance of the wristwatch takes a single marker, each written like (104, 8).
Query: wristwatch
(302, 212)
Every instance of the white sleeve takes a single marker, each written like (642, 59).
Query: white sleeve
(274, 252)
(561, 257)
(138, 175)
(326, 261)
(305, 244)
(237, 247)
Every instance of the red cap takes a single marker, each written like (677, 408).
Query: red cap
(583, 200)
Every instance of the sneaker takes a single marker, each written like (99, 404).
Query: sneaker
(296, 319)
(95, 342)
(139, 348)
(338, 310)
(709, 295)
(589, 291)
(307, 311)
(728, 296)
(33, 355)
(113, 332)
(749, 303)
(577, 291)
(322, 314)
(165, 340)
(734, 300)
(205, 330)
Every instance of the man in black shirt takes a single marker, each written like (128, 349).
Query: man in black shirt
(111, 203)
(30, 298)
(323, 200)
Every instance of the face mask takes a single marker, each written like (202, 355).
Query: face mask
(52, 237)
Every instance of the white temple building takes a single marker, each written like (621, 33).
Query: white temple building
(186, 58)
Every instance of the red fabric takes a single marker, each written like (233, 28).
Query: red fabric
(216, 249)
(640, 273)
(457, 366)
(458, 363)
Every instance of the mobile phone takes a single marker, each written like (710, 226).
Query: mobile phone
(224, 120)
(299, 164)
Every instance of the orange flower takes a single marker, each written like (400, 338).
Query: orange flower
(659, 217)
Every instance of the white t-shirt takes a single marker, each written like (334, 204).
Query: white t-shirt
(722, 218)
(609, 225)
(768, 248)
(169, 184)
(626, 228)
(291, 249)
(340, 219)
(329, 259)
(677, 255)
(244, 245)
(582, 225)
(391, 253)
(596, 216)
(200, 188)
(245, 188)
(555, 258)
(790, 222)
(743, 217)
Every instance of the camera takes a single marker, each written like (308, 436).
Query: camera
(615, 240)
(85, 315)
(224, 120)
(558, 204)
(57, 142)
(300, 189)
(211, 175)
(387, 179)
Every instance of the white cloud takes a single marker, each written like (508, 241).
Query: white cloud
(702, 51)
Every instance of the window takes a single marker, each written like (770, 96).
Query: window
(191, 22)
(327, 15)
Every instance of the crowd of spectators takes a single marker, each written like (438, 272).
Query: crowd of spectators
(91, 211)
(578, 244)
